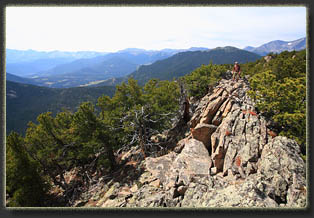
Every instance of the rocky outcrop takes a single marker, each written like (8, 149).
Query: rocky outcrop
(268, 58)
(229, 159)
(174, 169)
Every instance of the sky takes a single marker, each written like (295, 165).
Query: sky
(110, 29)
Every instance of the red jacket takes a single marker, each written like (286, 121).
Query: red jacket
(236, 68)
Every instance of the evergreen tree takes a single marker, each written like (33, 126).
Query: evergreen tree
(280, 93)
(136, 113)
(199, 80)
(24, 185)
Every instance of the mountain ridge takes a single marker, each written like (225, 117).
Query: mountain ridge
(14, 55)
(278, 46)
(98, 68)
(184, 62)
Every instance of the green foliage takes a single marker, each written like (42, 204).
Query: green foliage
(285, 64)
(85, 139)
(280, 92)
(24, 185)
(200, 79)
(161, 96)
(45, 142)
(68, 140)
(126, 110)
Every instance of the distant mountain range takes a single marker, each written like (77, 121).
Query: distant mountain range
(18, 56)
(68, 72)
(278, 46)
(29, 63)
(131, 62)
(59, 69)
(25, 102)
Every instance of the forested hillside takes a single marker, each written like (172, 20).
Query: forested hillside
(185, 62)
(25, 102)
(18, 79)
(91, 139)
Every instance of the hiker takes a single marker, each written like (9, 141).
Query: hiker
(236, 71)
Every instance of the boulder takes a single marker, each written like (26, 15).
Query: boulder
(171, 169)
(268, 58)
(283, 171)
(193, 160)
(161, 168)
(202, 132)
(211, 110)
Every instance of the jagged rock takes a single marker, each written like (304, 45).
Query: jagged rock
(193, 160)
(213, 171)
(180, 145)
(281, 164)
(147, 196)
(211, 109)
(202, 132)
(119, 202)
(124, 192)
(198, 111)
(134, 188)
(228, 160)
(111, 193)
(161, 168)
(146, 178)
(240, 194)
(222, 112)
(155, 183)
(169, 169)
(268, 58)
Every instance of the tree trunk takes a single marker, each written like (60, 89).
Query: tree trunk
(111, 157)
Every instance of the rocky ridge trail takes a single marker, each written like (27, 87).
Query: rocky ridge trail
(229, 158)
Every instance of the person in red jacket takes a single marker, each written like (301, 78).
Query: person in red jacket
(236, 71)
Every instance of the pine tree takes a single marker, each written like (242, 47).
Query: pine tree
(280, 93)
(200, 79)
(24, 184)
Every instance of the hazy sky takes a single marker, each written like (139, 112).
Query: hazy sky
(115, 28)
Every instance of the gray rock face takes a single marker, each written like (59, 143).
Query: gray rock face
(174, 170)
(283, 168)
(193, 160)
(228, 160)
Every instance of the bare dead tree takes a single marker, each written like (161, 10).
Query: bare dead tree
(144, 123)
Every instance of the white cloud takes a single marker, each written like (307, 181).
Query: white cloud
(114, 28)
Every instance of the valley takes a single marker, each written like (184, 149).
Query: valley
(25, 102)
